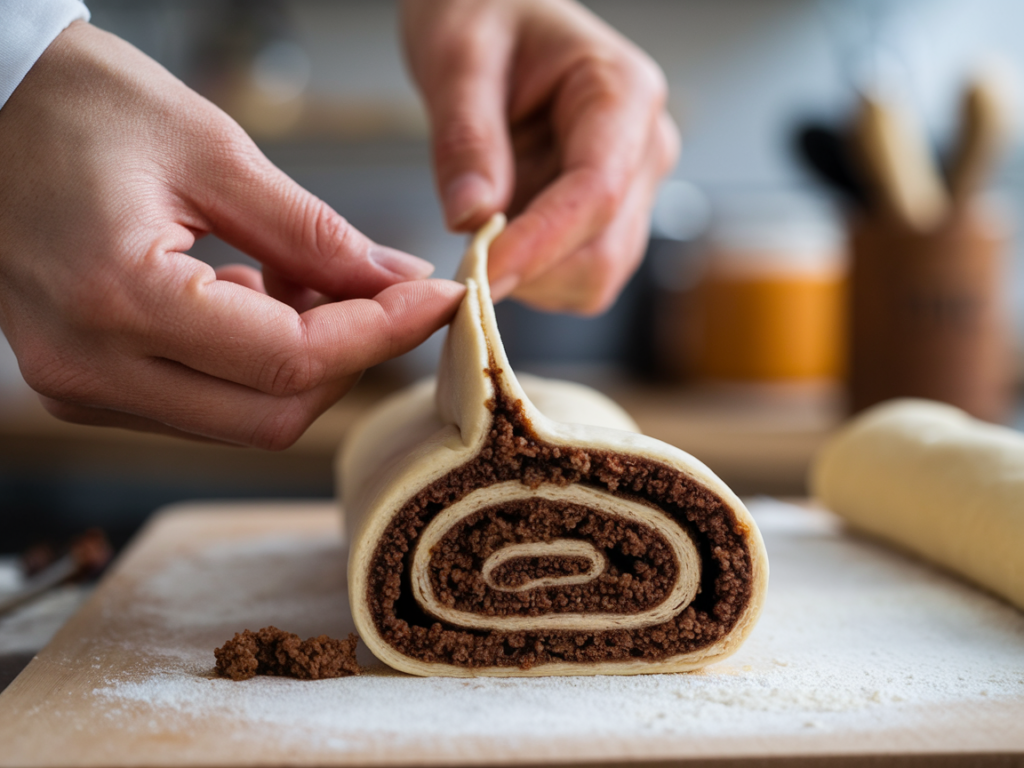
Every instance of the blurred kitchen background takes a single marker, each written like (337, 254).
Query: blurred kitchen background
(729, 342)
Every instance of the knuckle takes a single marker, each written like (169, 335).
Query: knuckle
(606, 191)
(123, 299)
(294, 370)
(613, 77)
(632, 69)
(295, 374)
(390, 329)
(599, 76)
(460, 136)
(280, 429)
(330, 234)
(227, 147)
(617, 73)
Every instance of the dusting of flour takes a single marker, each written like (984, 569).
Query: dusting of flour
(853, 636)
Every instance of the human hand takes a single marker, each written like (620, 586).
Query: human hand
(540, 108)
(109, 170)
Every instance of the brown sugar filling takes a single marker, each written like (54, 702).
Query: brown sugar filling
(513, 451)
(518, 571)
(640, 572)
(272, 651)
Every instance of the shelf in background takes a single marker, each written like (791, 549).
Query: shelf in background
(58, 478)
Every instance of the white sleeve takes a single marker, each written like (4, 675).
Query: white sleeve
(27, 27)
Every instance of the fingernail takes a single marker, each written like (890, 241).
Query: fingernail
(465, 197)
(503, 286)
(404, 265)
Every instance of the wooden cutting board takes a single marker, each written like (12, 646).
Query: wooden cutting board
(862, 657)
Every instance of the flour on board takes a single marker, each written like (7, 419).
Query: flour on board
(853, 636)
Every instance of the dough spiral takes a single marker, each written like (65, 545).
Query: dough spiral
(489, 539)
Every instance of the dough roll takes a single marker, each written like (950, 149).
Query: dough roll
(489, 539)
(935, 481)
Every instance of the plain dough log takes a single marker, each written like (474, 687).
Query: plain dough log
(937, 482)
(507, 526)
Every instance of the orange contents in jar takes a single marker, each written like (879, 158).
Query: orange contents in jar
(762, 326)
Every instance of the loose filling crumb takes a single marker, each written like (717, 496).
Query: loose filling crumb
(641, 568)
(272, 651)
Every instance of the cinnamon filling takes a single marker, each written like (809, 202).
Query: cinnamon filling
(272, 651)
(640, 569)
(520, 571)
(640, 572)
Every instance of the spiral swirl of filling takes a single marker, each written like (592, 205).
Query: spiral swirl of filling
(533, 553)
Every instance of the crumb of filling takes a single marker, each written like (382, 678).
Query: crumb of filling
(272, 651)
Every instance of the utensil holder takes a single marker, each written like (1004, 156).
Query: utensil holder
(927, 316)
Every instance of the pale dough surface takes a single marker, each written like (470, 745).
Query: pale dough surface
(421, 434)
(933, 480)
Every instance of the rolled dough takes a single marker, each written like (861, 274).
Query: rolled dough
(405, 513)
(935, 481)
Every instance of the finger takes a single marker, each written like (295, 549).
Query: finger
(104, 417)
(255, 207)
(590, 279)
(242, 336)
(464, 86)
(604, 116)
(153, 392)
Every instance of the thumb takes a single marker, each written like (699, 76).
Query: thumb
(301, 240)
(464, 86)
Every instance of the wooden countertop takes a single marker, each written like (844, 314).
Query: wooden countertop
(863, 657)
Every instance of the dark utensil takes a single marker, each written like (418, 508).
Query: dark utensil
(88, 555)
(829, 156)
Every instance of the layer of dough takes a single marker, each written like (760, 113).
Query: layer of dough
(937, 482)
(643, 560)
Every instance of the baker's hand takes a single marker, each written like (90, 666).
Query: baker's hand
(109, 170)
(539, 108)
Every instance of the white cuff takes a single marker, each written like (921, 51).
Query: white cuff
(27, 27)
